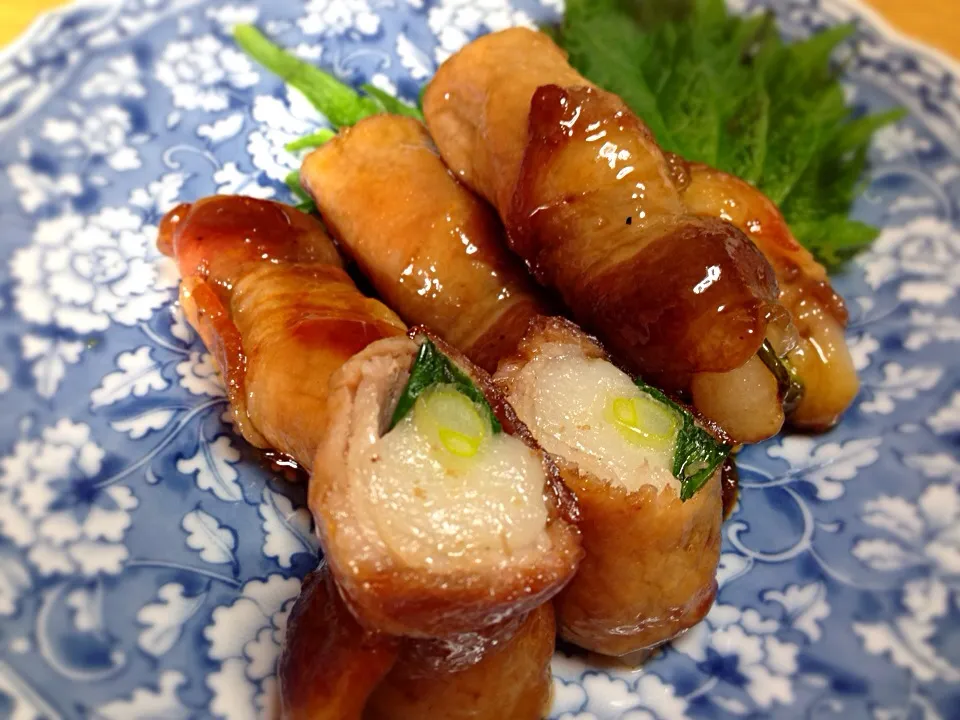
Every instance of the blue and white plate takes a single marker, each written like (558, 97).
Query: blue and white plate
(148, 558)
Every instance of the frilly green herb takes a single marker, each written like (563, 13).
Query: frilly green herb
(726, 90)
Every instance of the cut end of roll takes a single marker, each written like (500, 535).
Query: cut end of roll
(651, 556)
(445, 519)
(584, 409)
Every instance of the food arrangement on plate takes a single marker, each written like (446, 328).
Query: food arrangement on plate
(513, 340)
(499, 474)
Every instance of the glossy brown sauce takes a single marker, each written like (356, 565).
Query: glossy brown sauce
(264, 287)
(168, 226)
(598, 216)
(344, 336)
(220, 237)
(329, 664)
(811, 336)
(434, 251)
(476, 106)
(717, 194)
(331, 668)
(206, 312)
(282, 464)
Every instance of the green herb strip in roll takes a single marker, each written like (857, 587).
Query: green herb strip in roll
(448, 519)
(432, 368)
(697, 454)
(614, 424)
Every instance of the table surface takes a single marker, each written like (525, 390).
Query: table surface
(931, 21)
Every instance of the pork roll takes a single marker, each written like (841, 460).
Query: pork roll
(265, 288)
(438, 512)
(331, 668)
(650, 507)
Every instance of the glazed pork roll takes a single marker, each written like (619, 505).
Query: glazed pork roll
(435, 507)
(672, 293)
(590, 203)
(653, 526)
(651, 510)
(477, 107)
(500, 672)
(437, 511)
(331, 668)
(817, 351)
(264, 287)
(329, 665)
(420, 238)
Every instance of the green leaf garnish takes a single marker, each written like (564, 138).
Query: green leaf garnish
(697, 454)
(340, 103)
(431, 368)
(390, 103)
(835, 239)
(306, 203)
(789, 385)
(313, 140)
(726, 90)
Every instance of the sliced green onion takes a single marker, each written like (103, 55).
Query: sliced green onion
(789, 384)
(644, 421)
(450, 420)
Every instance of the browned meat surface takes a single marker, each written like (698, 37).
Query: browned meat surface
(333, 669)
(329, 664)
(426, 550)
(817, 350)
(593, 206)
(478, 104)
(433, 250)
(455, 678)
(396, 234)
(263, 286)
(596, 215)
(650, 562)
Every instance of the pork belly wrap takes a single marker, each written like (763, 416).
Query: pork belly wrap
(568, 393)
(421, 238)
(437, 511)
(590, 203)
(815, 349)
(477, 107)
(647, 480)
(500, 672)
(464, 519)
(263, 286)
(331, 668)
(329, 664)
